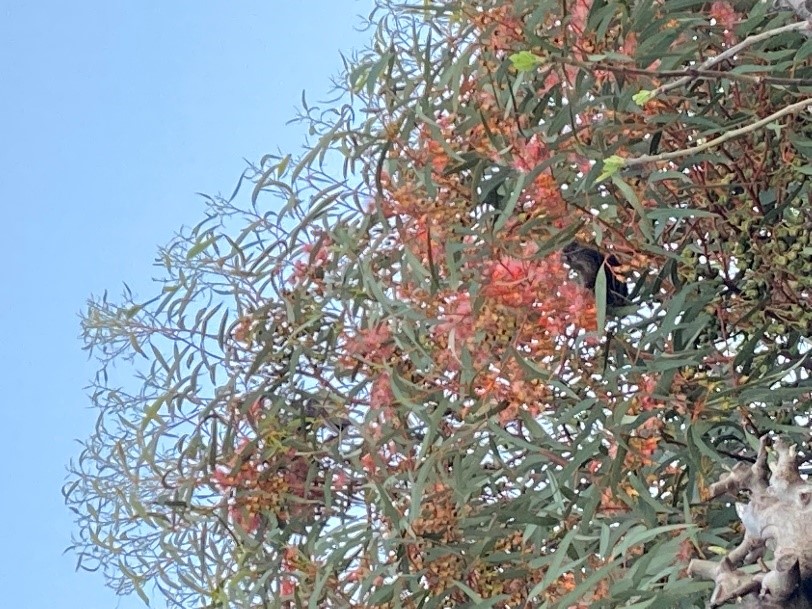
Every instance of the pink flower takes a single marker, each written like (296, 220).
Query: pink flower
(724, 14)
(287, 586)
(528, 154)
(457, 319)
(381, 394)
(579, 15)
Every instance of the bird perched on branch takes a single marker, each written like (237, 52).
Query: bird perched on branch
(587, 262)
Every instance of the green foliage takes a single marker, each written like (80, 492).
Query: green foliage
(525, 61)
(611, 166)
(373, 383)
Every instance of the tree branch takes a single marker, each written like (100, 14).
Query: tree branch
(731, 52)
(727, 136)
(688, 73)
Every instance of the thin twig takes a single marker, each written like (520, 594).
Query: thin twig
(689, 73)
(727, 136)
(747, 42)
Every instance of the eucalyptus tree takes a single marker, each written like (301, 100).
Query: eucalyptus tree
(378, 376)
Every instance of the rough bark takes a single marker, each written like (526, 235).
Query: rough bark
(777, 520)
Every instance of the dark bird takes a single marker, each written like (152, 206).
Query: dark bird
(586, 262)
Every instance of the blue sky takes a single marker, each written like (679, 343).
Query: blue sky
(112, 115)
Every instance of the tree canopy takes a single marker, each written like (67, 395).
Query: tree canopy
(378, 380)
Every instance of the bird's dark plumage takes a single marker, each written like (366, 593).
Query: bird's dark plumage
(586, 262)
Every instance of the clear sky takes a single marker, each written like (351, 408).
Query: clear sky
(112, 115)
